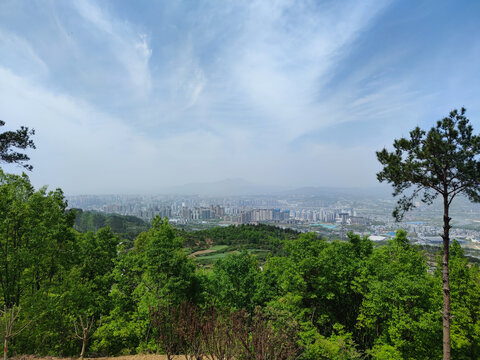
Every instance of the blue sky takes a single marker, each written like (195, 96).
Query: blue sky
(138, 96)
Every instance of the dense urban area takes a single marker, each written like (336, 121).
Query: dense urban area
(330, 215)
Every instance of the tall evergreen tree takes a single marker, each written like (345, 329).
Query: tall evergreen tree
(20, 139)
(445, 161)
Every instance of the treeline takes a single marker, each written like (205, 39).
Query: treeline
(260, 236)
(127, 227)
(315, 300)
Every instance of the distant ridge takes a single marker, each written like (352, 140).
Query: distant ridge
(325, 191)
(227, 187)
(242, 187)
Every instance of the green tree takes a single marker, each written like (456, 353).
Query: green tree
(323, 275)
(85, 290)
(316, 282)
(122, 329)
(169, 273)
(235, 281)
(19, 139)
(398, 308)
(35, 231)
(444, 161)
(156, 271)
(465, 304)
(37, 250)
(338, 346)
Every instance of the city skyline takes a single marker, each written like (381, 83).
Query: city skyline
(330, 217)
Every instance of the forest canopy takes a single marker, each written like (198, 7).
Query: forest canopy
(320, 299)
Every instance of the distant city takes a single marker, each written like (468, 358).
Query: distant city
(331, 215)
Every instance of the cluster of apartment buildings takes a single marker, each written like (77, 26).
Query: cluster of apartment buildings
(234, 211)
(261, 215)
(202, 213)
(272, 215)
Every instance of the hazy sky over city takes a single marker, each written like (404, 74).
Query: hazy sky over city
(139, 96)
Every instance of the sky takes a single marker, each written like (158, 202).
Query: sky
(140, 96)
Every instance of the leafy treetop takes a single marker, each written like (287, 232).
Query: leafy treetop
(445, 161)
(19, 139)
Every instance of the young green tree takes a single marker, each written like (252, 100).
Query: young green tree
(321, 275)
(445, 161)
(19, 139)
(156, 272)
(35, 233)
(83, 331)
(37, 250)
(169, 272)
(235, 281)
(398, 307)
(8, 326)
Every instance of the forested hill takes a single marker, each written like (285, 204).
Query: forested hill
(213, 244)
(127, 227)
(237, 235)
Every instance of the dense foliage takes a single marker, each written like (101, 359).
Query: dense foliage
(12, 141)
(128, 227)
(260, 236)
(315, 299)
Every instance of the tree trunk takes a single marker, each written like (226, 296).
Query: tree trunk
(84, 344)
(5, 346)
(446, 281)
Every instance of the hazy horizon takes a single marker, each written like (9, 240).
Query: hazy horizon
(241, 187)
(138, 97)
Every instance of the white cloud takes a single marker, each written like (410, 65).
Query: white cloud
(19, 55)
(84, 150)
(187, 79)
(78, 147)
(128, 45)
(226, 95)
(195, 86)
(287, 51)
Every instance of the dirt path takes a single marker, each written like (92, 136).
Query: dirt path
(129, 357)
(201, 252)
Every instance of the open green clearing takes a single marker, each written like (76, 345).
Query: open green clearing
(219, 247)
(209, 259)
(221, 251)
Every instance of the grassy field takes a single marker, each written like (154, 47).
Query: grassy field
(210, 258)
(219, 247)
(210, 255)
(207, 257)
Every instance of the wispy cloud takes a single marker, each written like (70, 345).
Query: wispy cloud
(18, 54)
(129, 46)
(78, 146)
(285, 92)
(277, 64)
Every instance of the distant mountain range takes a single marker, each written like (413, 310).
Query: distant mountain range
(337, 192)
(227, 187)
(242, 187)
